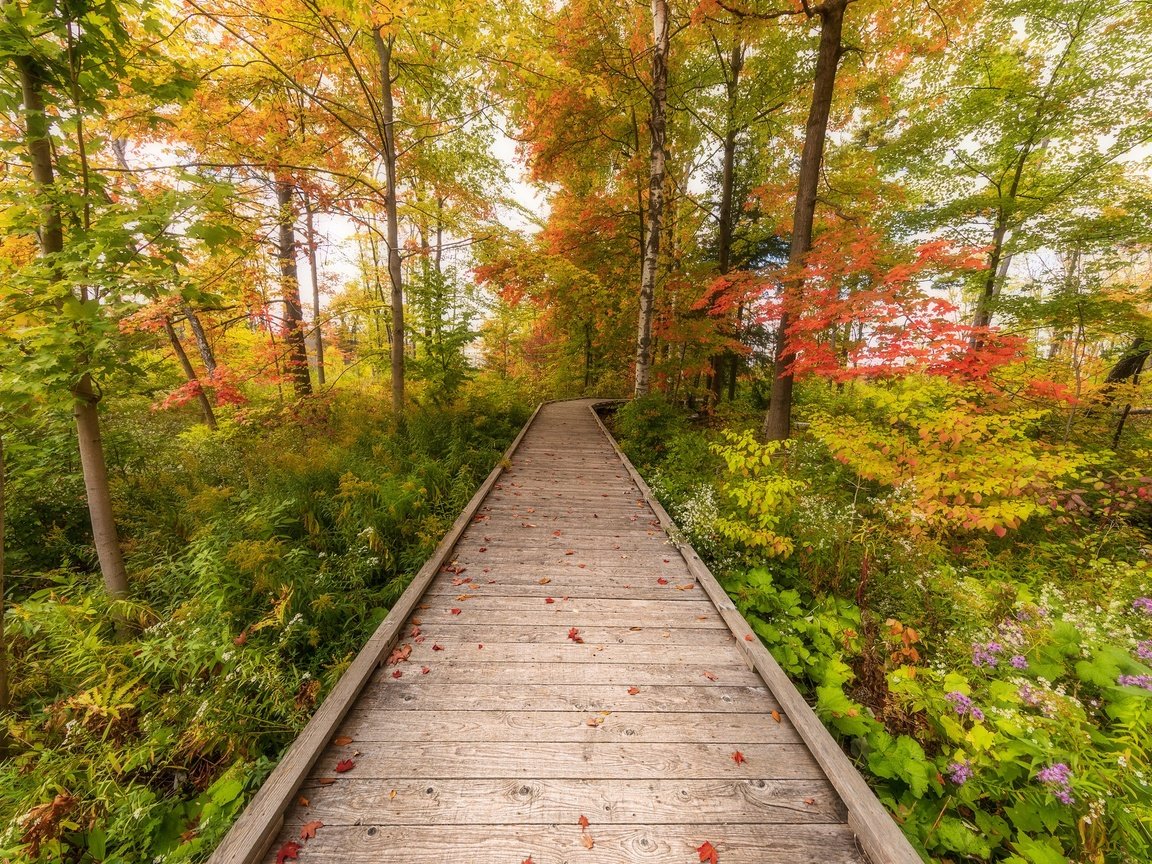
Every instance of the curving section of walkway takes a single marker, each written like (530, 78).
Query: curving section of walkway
(564, 661)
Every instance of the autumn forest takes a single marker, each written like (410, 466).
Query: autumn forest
(869, 287)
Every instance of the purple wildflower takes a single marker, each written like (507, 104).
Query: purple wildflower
(1143, 604)
(986, 655)
(1018, 661)
(1144, 649)
(1144, 681)
(1059, 776)
(962, 705)
(1029, 696)
(960, 772)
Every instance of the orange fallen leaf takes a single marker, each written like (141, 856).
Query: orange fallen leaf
(748, 637)
(809, 801)
(528, 860)
(455, 611)
(463, 597)
(556, 533)
(325, 781)
(738, 757)
(345, 765)
(288, 852)
(776, 716)
(708, 853)
(569, 551)
(582, 566)
(632, 691)
(392, 795)
(594, 721)
(583, 822)
(544, 580)
(303, 802)
(711, 676)
(342, 741)
(587, 841)
(399, 655)
(308, 829)
(436, 647)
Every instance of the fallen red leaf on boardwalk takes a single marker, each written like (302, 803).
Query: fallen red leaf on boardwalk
(303, 802)
(738, 757)
(581, 566)
(557, 533)
(748, 637)
(632, 691)
(711, 676)
(479, 646)
(424, 670)
(549, 600)
(397, 674)
(436, 647)
(661, 581)
(569, 551)
(708, 853)
(308, 829)
(399, 655)
(345, 765)
(776, 716)
(483, 548)
(528, 860)
(455, 611)
(583, 822)
(342, 741)
(574, 635)
(288, 852)
(809, 801)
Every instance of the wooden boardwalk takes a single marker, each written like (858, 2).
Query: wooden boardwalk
(563, 659)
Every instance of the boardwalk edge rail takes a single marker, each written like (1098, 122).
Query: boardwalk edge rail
(250, 836)
(875, 829)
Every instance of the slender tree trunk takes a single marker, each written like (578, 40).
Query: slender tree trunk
(314, 270)
(297, 360)
(202, 344)
(92, 463)
(1067, 290)
(656, 125)
(190, 374)
(725, 362)
(4, 697)
(778, 421)
(395, 272)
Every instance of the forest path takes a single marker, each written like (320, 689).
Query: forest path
(567, 660)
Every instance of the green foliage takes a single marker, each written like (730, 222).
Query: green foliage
(263, 555)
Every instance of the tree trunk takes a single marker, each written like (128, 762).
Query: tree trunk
(778, 421)
(202, 345)
(384, 54)
(297, 359)
(4, 698)
(314, 270)
(726, 362)
(92, 463)
(190, 374)
(656, 124)
(1067, 290)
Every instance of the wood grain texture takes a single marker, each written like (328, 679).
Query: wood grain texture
(561, 844)
(547, 802)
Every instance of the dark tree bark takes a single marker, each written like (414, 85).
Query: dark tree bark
(190, 373)
(4, 689)
(778, 421)
(297, 359)
(85, 400)
(392, 231)
(656, 163)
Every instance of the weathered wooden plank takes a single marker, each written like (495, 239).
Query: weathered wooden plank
(410, 693)
(670, 605)
(625, 675)
(880, 836)
(549, 802)
(572, 587)
(678, 657)
(605, 760)
(614, 844)
(254, 830)
(448, 633)
(363, 725)
(475, 614)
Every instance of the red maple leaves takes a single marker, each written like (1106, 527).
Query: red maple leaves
(288, 852)
(708, 853)
(574, 635)
(344, 766)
